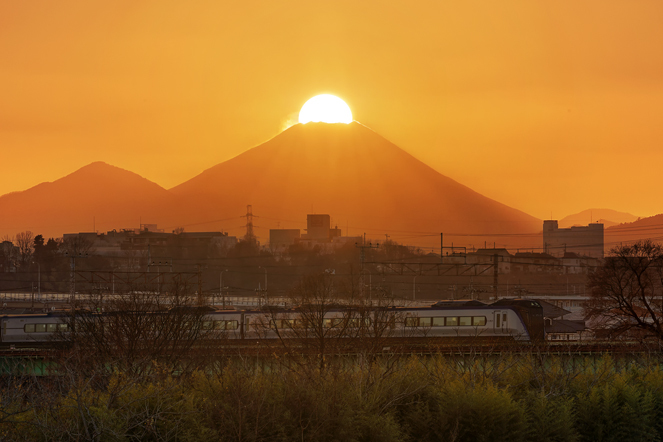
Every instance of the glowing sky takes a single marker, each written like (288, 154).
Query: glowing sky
(545, 106)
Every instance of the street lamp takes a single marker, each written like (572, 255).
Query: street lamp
(221, 292)
(265, 269)
(263, 293)
(72, 281)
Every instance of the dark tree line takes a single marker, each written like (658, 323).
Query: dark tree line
(626, 293)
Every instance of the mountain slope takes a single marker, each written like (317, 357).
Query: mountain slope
(98, 193)
(353, 174)
(643, 228)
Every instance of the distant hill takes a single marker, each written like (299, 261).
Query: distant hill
(101, 194)
(359, 178)
(650, 227)
(608, 217)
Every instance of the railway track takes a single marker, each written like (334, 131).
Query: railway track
(402, 347)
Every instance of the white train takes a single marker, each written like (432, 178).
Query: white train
(514, 319)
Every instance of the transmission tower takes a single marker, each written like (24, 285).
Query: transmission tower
(250, 236)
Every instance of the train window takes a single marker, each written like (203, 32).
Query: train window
(424, 322)
(438, 322)
(452, 321)
(40, 328)
(411, 322)
(207, 325)
(386, 322)
(465, 320)
(497, 320)
(29, 328)
(232, 325)
(479, 320)
(62, 327)
(51, 328)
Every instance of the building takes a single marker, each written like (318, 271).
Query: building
(487, 256)
(282, 238)
(581, 240)
(318, 228)
(558, 328)
(532, 262)
(579, 265)
(117, 243)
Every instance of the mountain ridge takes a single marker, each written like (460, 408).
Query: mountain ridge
(97, 191)
(609, 217)
(347, 171)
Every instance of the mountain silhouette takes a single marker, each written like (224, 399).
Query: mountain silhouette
(627, 233)
(358, 177)
(97, 195)
(366, 183)
(608, 217)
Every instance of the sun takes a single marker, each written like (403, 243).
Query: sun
(325, 108)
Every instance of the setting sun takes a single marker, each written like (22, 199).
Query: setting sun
(325, 109)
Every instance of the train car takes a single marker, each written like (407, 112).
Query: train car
(529, 312)
(513, 319)
(31, 328)
(520, 320)
(228, 323)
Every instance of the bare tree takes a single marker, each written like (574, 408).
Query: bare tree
(381, 324)
(320, 324)
(76, 246)
(626, 292)
(325, 322)
(140, 329)
(26, 247)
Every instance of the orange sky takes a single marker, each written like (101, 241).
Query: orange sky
(544, 106)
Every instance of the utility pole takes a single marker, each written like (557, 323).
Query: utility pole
(495, 273)
(200, 286)
(72, 281)
(441, 247)
(414, 287)
(221, 291)
(72, 277)
(362, 257)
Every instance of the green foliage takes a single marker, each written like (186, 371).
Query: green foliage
(617, 411)
(511, 398)
(549, 419)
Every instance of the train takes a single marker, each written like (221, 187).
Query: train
(506, 319)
